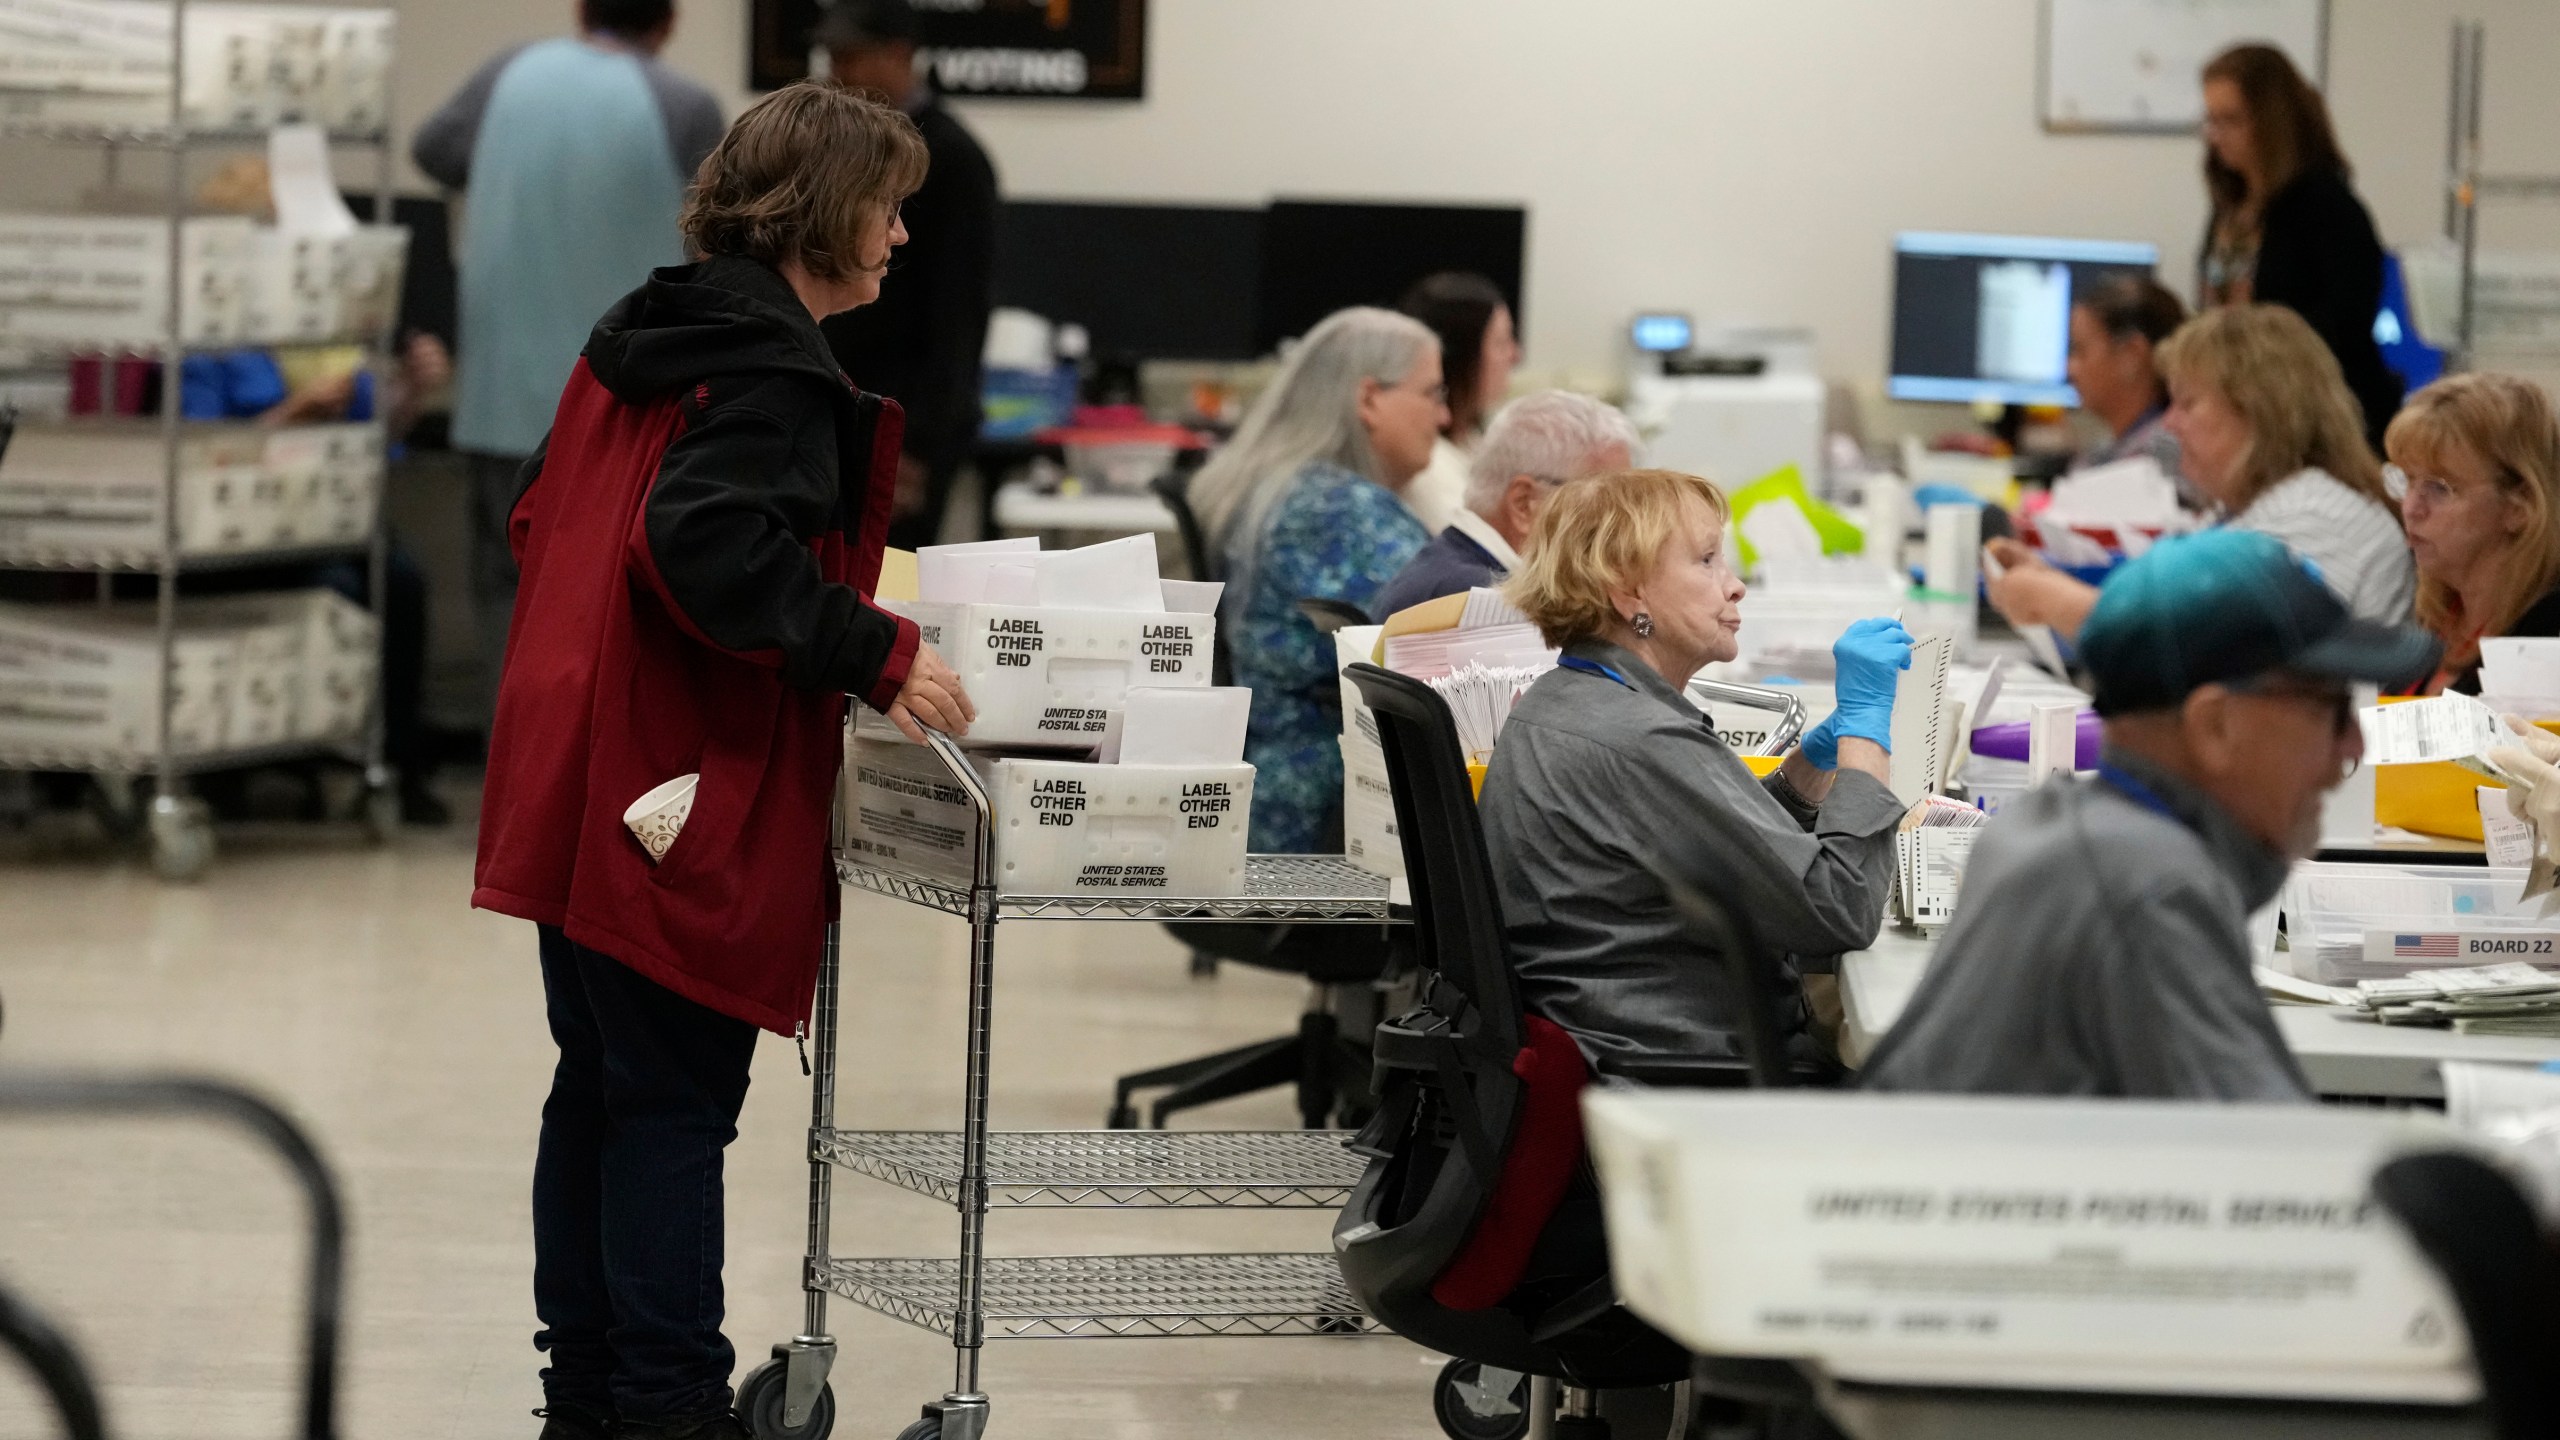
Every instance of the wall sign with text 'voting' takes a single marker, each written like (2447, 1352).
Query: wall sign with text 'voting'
(1037, 49)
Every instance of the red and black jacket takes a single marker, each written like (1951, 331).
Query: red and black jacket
(698, 538)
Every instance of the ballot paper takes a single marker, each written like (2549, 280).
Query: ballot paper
(1188, 725)
(966, 574)
(1114, 575)
(2119, 496)
(1931, 848)
(2449, 727)
(298, 181)
(1192, 597)
(2508, 840)
(1430, 654)
(1480, 698)
(2286, 989)
(2519, 665)
(1919, 725)
(2041, 641)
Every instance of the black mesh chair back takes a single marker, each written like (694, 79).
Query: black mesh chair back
(1173, 487)
(1457, 915)
(1328, 614)
(2477, 1229)
(1448, 1099)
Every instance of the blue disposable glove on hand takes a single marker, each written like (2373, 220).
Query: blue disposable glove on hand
(1871, 654)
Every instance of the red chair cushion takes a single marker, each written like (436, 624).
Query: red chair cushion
(1545, 1147)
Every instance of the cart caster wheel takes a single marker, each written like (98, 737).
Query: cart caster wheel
(760, 1401)
(181, 839)
(928, 1428)
(1123, 1117)
(381, 813)
(1478, 1402)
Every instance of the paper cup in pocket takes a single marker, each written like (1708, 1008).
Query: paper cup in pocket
(655, 818)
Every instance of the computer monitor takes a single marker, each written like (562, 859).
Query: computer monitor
(1319, 256)
(1988, 317)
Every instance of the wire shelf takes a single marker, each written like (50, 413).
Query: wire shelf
(127, 762)
(1204, 1169)
(1323, 888)
(146, 560)
(80, 132)
(1105, 1297)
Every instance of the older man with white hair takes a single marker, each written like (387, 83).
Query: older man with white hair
(1535, 444)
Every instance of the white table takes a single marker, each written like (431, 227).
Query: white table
(1020, 508)
(2340, 1056)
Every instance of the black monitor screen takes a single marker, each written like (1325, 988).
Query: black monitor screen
(1988, 317)
(1318, 257)
(1161, 282)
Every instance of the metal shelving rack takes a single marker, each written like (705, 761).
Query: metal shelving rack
(180, 829)
(972, 1297)
(2466, 186)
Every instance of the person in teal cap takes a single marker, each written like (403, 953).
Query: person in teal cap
(2101, 944)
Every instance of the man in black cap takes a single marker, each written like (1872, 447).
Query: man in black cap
(2101, 945)
(919, 343)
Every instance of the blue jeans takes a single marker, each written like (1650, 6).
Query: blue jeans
(626, 1191)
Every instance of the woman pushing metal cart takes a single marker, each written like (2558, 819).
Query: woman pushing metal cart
(972, 1297)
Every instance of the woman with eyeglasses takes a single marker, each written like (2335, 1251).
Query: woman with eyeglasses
(2268, 432)
(2286, 227)
(1304, 503)
(2476, 459)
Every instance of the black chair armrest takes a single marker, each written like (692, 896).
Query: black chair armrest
(1679, 1072)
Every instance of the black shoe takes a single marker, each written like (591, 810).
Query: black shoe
(570, 1425)
(723, 1426)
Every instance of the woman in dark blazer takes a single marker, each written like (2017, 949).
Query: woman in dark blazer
(2286, 227)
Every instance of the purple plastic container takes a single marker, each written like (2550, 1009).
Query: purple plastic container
(2009, 742)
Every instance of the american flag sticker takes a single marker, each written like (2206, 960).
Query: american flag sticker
(2432, 945)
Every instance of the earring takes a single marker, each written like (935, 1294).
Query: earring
(1643, 624)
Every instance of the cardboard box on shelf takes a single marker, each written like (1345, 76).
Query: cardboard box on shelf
(1059, 677)
(1062, 827)
(247, 671)
(96, 485)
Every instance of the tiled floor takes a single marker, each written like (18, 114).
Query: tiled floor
(406, 1031)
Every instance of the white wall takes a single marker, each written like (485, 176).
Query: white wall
(1747, 160)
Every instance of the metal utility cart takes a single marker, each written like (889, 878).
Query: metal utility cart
(178, 827)
(973, 1297)
(2465, 185)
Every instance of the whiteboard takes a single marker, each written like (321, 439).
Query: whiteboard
(2132, 64)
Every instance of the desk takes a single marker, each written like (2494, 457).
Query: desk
(1019, 508)
(2342, 1057)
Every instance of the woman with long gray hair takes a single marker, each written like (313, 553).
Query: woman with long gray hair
(1303, 504)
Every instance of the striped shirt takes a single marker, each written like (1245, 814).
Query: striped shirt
(2354, 542)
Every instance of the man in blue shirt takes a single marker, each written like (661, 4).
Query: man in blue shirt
(572, 155)
(1535, 444)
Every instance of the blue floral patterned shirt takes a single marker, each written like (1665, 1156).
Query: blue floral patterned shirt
(1334, 535)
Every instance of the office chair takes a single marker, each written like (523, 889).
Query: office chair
(1478, 1135)
(2472, 1223)
(1327, 1057)
(1329, 615)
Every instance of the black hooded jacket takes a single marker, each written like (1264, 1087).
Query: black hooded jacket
(698, 537)
(775, 449)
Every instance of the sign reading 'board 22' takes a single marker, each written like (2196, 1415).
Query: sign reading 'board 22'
(1054, 49)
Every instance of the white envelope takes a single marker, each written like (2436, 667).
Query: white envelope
(1192, 597)
(959, 574)
(1164, 725)
(1114, 575)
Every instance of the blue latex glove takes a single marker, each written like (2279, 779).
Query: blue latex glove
(1871, 655)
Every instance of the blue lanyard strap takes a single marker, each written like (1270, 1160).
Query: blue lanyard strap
(2137, 792)
(1592, 667)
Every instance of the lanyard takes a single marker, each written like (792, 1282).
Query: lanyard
(2137, 792)
(1592, 667)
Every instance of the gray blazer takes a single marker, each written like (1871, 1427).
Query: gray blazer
(1599, 778)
